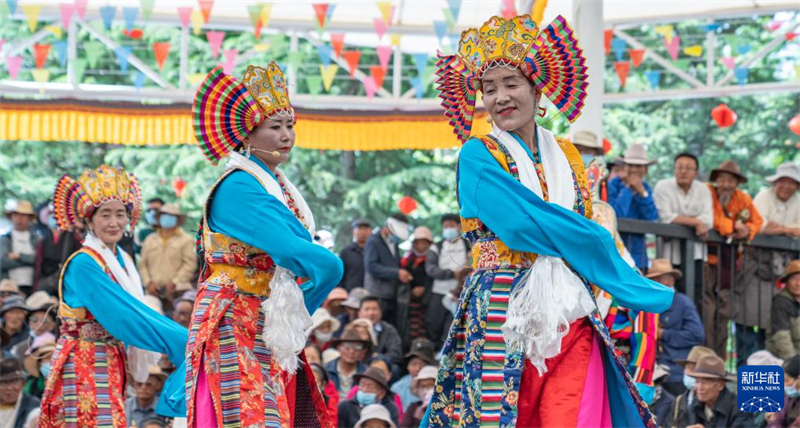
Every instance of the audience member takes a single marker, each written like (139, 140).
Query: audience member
(684, 200)
(151, 219)
(390, 346)
(421, 355)
(341, 371)
(13, 312)
(788, 416)
(333, 303)
(735, 217)
(18, 246)
(372, 389)
(41, 319)
(328, 389)
(680, 328)
(143, 405)
(715, 405)
(779, 204)
(313, 354)
(353, 255)
(413, 261)
(17, 409)
(323, 325)
(784, 329)
(182, 312)
(422, 388)
(663, 402)
(375, 416)
(383, 278)
(350, 306)
(589, 146)
(366, 330)
(686, 400)
(53, 249)
(8, 288)
(38, 363)
(443, 262)
(632, 198)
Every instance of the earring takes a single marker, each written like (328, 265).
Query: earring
(247, 153)
(542, 112)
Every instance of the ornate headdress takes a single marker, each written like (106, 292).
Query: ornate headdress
(74, 201)
(226, 110)
(551, 59)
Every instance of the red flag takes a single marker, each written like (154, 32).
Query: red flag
(205, 8)
(40, 54)
(321, 9)
(378, 74)
(352, 58)
(623, 68)
(337, 41)
(607, 36)
(637, 56)
(161, 50)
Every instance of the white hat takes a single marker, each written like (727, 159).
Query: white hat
(321, 316)
(636, 155)
(427, 372)
(763, 358)
(375, 411)
(587, 139)
(788, 170)
(329, 355)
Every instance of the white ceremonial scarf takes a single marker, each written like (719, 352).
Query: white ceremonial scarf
(551, 296)
(139, 360)
(286, 319)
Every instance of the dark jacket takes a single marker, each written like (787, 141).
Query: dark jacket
(353, 258)
(390, 346)
(27, 405)
(682, 331)
(333, 373)
(350, 411)
(783, 338)
(629, 204)
(789, 416)
(24, 260)
(381, 268)
(726, 414)
(416, 266)
(662, 408)
(50, 256)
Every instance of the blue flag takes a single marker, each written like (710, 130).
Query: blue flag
(107, 13)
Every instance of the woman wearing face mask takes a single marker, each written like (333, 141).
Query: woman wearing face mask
(106, 330)
(422, 387)
(38, 363)
(323, 325)
(251, 316)
(788, 417)
(525, 202)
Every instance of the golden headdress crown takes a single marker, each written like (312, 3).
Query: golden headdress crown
(269, 88)
(76, 200)
(498, 42)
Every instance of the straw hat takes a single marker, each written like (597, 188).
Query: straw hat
(9, 286)
(695, 354)
(321, 316)
(19, 207)
(787, 170)
(792, 268)
(662, 267)
(711, 367)
(587, 139)
(636, 155)
(422, 232)
(40, 301)
(375, 411)
(731, 167)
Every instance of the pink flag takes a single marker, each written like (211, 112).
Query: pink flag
(13, 63)
(384, 53)
(215, 39)
(80, 7)
(66, 10)
(729, 62)
(673, 47)
(337, 41)
(230, 60)
(185, 13)
(369, 87)
(380, 27)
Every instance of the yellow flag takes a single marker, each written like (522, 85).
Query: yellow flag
(395, 38)
(55, 29)
(261, 47)
(694, 51)
(386, 11)
(266, 12)
(328, 73)
(41, 76)
(537, 11)
(32, 13)
(195, 78)
(197, 21)
(667, 31)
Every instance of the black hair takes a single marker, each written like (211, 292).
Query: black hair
(369, 299)
(157, 200)
(687, 155)
(451, 217)
(400, 216)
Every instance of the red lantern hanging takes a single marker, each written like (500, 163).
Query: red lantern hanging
(178, 185)
(724, 116)
(794, 124)
(407, 205)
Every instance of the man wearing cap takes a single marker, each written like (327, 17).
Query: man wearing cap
(169, 258)
(350, 306)
(735, 217)
(715, 406)
(632, 198)
(142, 406)
(372, 389)
(420, 355)
(18, 247)
(13, 313)
(784, 329)
(780, 204)
(383, 277)
(41, 320)
(342, 370)
(684, 200)
(680, 328)
(353, 255)
(686, 400)
(588, 145)
(17, 409)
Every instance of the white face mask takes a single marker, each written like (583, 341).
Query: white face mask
(323, 337)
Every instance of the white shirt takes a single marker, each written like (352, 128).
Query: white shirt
(21, 244)
(673, 202)
(772, 209)
(453, 257)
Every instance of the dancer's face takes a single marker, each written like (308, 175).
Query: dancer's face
(510, 98)
(272, 140)
(109, 222)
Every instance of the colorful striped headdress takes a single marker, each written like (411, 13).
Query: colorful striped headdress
(226, 110)
(76, 200)
(551, 59)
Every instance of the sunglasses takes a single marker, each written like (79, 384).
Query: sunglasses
(354, 346)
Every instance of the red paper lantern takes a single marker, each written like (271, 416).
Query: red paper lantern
(724, 116)
(794, 124)
(606, 146)
(407, 205)
(178, 185)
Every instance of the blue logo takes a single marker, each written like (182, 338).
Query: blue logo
(760, 389)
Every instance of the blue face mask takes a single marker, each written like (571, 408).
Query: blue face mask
(365, 398)
(791, 391)
(168, 221)
(44, 369)
(688, 382)
(588, 158)
(52, 223)
(450, 233)
(150, 217)
(395, 240)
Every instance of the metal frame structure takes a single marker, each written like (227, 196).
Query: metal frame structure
(384, 99)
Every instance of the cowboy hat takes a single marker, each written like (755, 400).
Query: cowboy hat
(422, 232)
(19, 207)
(636, 155)
(351, 336)
(375, 374)
(711, 367)
(787, 170)
(158, 373)
(662, 267)
(9, 286)
(587, 139)
(40, 301)
(11, 370)
(321, 316)
(695, 354)
(375, 411)
(792, 268)
(730, 167)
